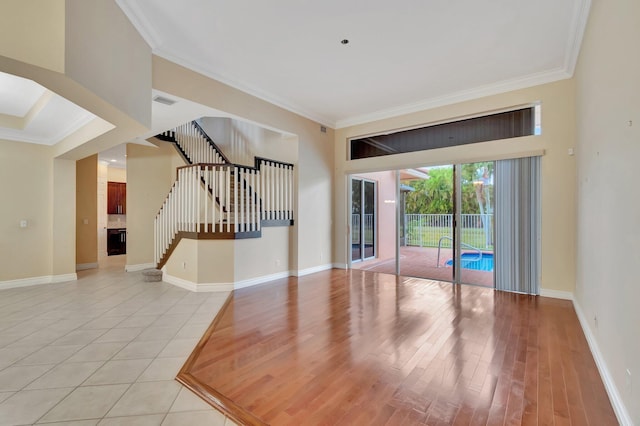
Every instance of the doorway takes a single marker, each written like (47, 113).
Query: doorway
(448, 223)
(363, 219)
(443, 228)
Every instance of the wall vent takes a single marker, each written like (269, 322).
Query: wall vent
(163, 100)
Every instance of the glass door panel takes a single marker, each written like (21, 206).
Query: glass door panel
(476, 224)
(368, 223)
(426, 226)
(356, 215)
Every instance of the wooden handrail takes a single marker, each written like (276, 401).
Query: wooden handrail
(257, 160)
(203, 165)
(208, 139)
(244, 197)
(262, 159)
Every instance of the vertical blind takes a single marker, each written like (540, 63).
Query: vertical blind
(517, 211)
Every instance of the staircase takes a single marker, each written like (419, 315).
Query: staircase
(213, 198)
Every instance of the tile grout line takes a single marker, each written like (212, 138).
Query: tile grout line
(73, 307)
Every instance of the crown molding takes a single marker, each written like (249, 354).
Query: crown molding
(465, 95)
(82, 120)
(201, 68)
(140, 22)
(22, 136)
(572, 50)
(576, 34)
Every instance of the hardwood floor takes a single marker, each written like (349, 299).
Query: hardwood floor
(360, 348)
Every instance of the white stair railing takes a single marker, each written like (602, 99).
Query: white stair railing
(273, 180)
(207, 198)
(195, 145)
(276, 189)
(214, 195)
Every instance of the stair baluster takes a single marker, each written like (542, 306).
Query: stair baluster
(214, 191)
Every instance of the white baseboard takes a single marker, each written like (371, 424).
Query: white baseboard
(556, 294)
(85, 266)
(139, 267)
(63, 278)
(46, 279)
(261, 280)
(340, 266)
(313, 270)
(213, 287)
(209, 287)
(195, 287)
(614, 396)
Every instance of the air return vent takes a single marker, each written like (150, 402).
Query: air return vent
(163, 100)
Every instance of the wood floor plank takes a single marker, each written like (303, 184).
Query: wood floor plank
(360, 348)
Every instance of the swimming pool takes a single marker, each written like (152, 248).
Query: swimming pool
(472, 260)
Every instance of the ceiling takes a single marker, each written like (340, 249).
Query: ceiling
(115, 156)
(31, 113)
(401, 57)
(163, 117)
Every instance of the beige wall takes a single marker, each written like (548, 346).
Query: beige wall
(203, 261)
(115, 174)
(87, 210)
(107, 55)
(311, 236)
(32, 31)
(608, 149)
(83, 52)
(59, 45)
(231, 261)
(63, 198)
(183, 262)
(25, 173)
(558, 168)
(257, 257)
(41, 190)
(150, 173)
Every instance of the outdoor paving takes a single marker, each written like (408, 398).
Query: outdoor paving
(422, 262)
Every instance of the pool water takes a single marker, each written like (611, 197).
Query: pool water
(474, 261)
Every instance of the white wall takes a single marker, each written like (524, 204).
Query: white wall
(241, 141)
(608, 213)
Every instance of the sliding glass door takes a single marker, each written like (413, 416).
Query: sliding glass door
(363, 219)
(476, 223)
(426, 251)
(445, 228)
(447, 220)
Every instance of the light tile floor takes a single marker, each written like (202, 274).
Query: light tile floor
(103, 350)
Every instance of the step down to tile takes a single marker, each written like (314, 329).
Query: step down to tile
(152, 275)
